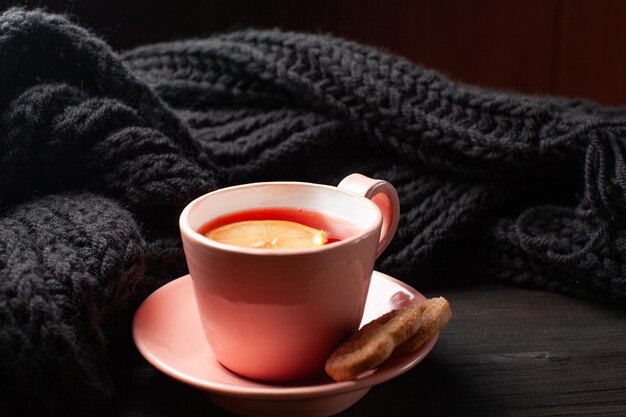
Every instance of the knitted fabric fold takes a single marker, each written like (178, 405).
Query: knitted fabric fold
(99, 152)
(538, 183)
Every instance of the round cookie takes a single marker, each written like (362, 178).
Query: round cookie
(436, 313)
(373, 343)
(393, 334)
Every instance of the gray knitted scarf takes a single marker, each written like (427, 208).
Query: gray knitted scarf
(100, 151)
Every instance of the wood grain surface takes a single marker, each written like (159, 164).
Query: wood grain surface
(507, 352)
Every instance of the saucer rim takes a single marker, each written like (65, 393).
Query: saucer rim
(319, 387)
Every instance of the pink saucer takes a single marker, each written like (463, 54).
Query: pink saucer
(168, 333)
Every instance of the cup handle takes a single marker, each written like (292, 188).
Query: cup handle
(384, 196)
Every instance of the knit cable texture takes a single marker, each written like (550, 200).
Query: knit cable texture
(99, 152)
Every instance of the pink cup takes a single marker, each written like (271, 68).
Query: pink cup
(273, 314)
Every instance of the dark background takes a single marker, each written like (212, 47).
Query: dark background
(574, 48)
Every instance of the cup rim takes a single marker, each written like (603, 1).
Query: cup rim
(190, 233)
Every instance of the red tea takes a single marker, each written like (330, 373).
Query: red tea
(336, 228)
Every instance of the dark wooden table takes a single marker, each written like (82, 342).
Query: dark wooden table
(507, 352)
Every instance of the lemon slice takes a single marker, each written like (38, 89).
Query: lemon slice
(268, 234)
